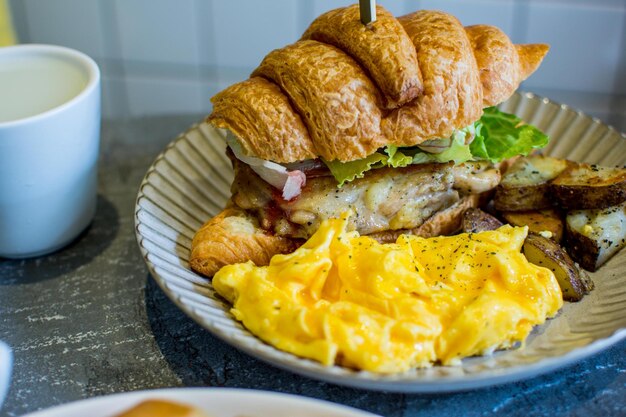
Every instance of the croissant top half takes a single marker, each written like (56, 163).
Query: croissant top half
(346, 89)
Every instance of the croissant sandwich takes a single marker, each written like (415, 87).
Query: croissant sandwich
(394, 120)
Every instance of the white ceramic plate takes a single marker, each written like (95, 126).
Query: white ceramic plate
(216, 402)
(189, 182)
(6, 364)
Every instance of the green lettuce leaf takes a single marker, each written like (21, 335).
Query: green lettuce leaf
(348, 171)
(497, 136)
(458, 151)
(396, 158)
(504, 135)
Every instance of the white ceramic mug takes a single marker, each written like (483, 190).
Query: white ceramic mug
(49, 142)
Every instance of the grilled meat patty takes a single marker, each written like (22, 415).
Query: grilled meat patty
(384, 199)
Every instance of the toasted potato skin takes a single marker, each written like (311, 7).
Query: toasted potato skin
(585, 278)
(476, 220)
(548, 254)
(525, 185)
(546, 193)
(538, 221)
(522, 198)
(584, 186)
(575, 197)
(594, 236)
(583, 249)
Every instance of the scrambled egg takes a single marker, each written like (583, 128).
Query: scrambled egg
(344, 298)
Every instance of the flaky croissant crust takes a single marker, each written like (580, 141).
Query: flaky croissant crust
(234, 236)
(345, 89)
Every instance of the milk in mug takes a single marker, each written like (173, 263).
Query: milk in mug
(32, 85)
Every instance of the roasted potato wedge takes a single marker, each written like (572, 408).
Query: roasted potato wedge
(594, 236)
(504, 166)
(538, 221)
(585, 278)
(584, 186)
(475, 220)
(525, 186)
(545, 252)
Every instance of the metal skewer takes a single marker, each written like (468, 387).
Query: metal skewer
(367, 9)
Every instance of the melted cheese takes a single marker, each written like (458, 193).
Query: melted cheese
(344, 298)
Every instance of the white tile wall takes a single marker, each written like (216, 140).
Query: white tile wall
(321, 6)
(206, 34)
(114, 96)
(499, 13)
(245, 30)
(168, 96)
(73, 23)
(586, 44)
(157, 30)
(396, 7)
(170, 56)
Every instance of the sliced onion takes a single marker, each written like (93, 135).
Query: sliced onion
(435, 145)
(306, 165)
(293, 186)
(290, 182)
(465, 136)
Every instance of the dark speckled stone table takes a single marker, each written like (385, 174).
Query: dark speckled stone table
(89, 321)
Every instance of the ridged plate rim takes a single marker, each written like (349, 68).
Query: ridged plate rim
(164, 228)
